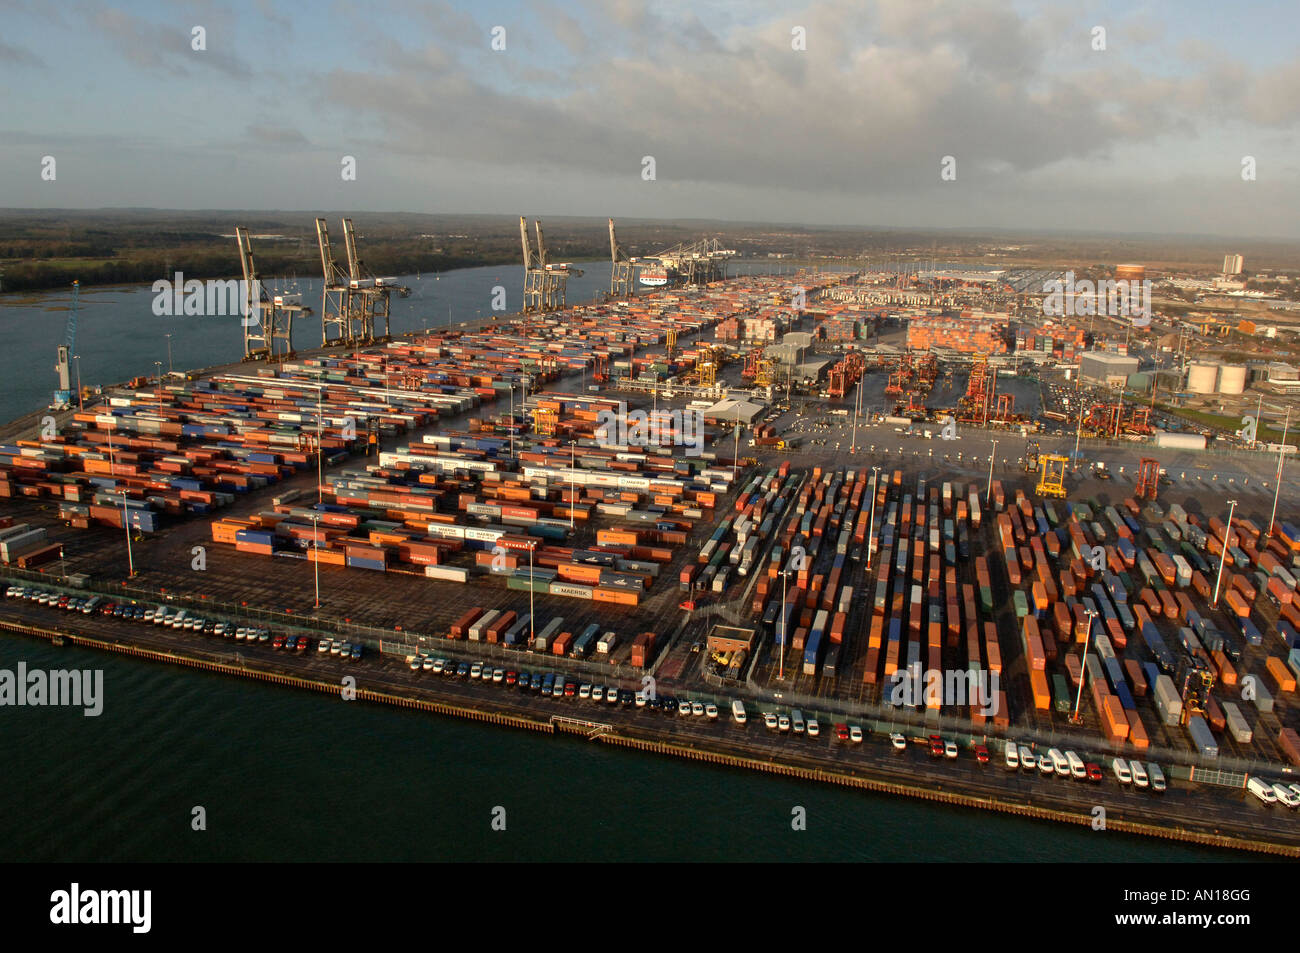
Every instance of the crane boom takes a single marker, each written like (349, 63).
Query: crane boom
(523, 237)
(350, 243)
(542, 259)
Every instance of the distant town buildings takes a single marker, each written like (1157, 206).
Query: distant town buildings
(1233, 265)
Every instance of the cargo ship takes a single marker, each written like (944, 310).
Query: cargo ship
(655, 276)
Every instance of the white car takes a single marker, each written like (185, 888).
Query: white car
(584, 690)
(1122, 773)
(476, 671)
(898, 741)
(814, 729)
(697, 709)
(769, 719)
(498, 675)
(711, 710)
(783, 722)
(950, 749)
(683, 708)
(855, 734)
(598, 693)
(1286, 795)
(1140, 779)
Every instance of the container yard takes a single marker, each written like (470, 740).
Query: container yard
(560, 502)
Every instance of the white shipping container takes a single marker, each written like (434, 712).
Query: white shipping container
(449, 573)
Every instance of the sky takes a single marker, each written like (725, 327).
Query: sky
(1125, 117)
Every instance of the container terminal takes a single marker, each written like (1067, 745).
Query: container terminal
(718, 519)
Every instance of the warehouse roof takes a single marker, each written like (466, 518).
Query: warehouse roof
(732, 410)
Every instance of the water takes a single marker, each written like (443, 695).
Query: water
(293, 776)
(287, 775)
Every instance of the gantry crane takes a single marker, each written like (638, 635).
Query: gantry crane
(545, 283)
(1051, 474)
(63, 395)
(696, 263)
(622, 281)
(370, 295)
(1148, 479)
(353, 301)
(267, 319)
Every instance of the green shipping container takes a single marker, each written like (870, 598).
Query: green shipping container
(1022, 604)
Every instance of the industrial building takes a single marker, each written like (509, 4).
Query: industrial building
(1110, 370)
(1283, 377)
(1233, 265)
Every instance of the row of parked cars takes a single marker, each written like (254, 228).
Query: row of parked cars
(796, 723)
(1067, 764)
(555, 685)
(183, 620)
(1275, 792)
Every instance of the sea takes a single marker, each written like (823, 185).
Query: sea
(190, 766)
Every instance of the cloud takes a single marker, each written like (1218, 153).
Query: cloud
(17, 56)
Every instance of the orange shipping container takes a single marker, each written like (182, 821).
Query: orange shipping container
(1042, 694)
(1282, 676)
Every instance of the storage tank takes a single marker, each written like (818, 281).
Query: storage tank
(1232, 379)
(1180, 441)
(1202, 378)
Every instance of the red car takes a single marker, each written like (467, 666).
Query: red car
(1094, 772)
(512, 678)
(689, 605)
(842, 732)
(981, 754)
(936, 749)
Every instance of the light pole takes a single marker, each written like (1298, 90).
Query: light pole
(785, 577)
(532, 612)
(1223, 554)
(572, 464)
(126, 516)
(857, 402)
(1281, 461)
(1078, 432)
(871, 530)
(988, 494)
(1083, 669)
(158, 364)
(512, 420)
(169, 353)
(736, 459)
(315, 556)
(320, 451)
(81, 400)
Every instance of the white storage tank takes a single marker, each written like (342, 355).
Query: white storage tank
(1202, 378)
(1232, 379)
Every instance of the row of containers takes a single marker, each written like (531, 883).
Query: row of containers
(818, 524)
(1135, 570)
(188, 447)
(458, 505)
(514, 630)
(1054, 609)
